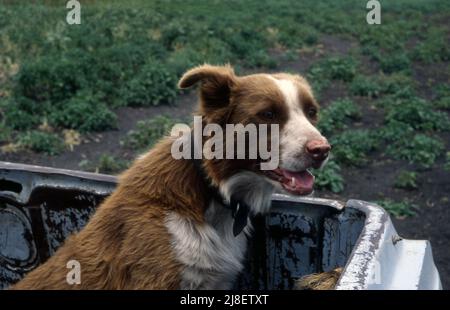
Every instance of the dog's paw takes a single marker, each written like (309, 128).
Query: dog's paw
(251, 188)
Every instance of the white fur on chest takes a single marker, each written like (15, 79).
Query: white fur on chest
(212, 256)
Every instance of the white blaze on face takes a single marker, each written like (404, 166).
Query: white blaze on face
(297, 131)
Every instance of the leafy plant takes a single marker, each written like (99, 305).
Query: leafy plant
(447, 162)
(105, 164)
(376, 86)
(49, 78)
(110, 164)
(337, 68)
(443, 103)
(336, 115)
(152, 86)
(406, 180)
(260, 58)
(84, 113)
(353, 146)
(418, 114)
(434, 48)
(183, 59)
(5, 133)
(21, 113)
(294, 36)
(442, 100)
(332, 68)
(318, 77)
(340, 68)
(400, 209)
(149, 131)
(365, 86)
(38, 141)
(420, 149)
(395, 63)
(397, 84)
(394, 131)
(442, 90)
(329, 177)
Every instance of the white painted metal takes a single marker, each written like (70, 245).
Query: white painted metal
(382, 260)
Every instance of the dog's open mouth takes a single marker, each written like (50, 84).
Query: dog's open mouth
(295, 182)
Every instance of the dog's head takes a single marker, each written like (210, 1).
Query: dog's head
(283, 99)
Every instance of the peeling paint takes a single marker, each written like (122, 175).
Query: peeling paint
(361, 263)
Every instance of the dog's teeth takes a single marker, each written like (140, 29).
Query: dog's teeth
(293, 181)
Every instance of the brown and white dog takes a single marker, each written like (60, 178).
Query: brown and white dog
(162, 228)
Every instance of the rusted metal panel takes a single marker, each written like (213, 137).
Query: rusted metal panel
(293, 241)
(18, 252)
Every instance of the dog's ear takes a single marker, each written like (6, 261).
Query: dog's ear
(216, 83)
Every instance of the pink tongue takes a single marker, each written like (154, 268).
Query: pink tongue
(299, 182)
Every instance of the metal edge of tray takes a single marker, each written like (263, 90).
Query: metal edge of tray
(48, 170)
(335, 204)
(362, 260)
(45, 177)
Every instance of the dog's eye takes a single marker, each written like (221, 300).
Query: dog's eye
(312, 112)
(268, 114)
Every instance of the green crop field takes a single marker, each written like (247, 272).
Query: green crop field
(61, 83)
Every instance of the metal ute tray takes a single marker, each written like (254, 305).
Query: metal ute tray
(40, 207)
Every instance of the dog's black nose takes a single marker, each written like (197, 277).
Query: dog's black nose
(318, 149)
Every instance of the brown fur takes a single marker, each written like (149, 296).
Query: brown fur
(125, 245)
(319, 281)
(227, 98)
